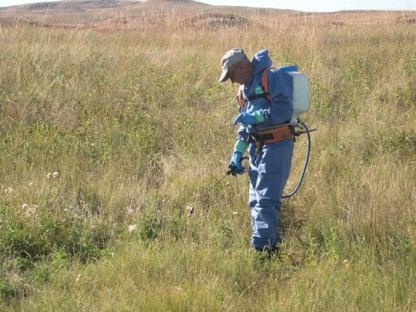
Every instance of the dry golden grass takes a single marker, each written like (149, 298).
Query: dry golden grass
(139, 130)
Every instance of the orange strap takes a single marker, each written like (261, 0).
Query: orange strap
(274, 135)
(265, 82)
(240, 98)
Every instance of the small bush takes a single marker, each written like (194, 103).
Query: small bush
(7, 291)
(149, 227)
(33, 240)
(19, 238)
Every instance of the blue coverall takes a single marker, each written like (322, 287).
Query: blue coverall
(269, 168)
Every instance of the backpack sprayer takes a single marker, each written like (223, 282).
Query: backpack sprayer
(300, 105)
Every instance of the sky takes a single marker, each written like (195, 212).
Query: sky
(300, 5)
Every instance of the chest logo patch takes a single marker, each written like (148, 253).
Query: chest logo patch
(258, 90)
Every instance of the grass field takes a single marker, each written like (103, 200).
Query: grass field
(108, 138)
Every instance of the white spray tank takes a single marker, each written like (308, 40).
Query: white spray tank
(300, 91)
(300, 105)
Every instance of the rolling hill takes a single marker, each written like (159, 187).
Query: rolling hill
(124, 14)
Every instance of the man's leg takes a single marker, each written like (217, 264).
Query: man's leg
(273, 172)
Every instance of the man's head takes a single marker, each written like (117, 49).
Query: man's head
(235, 66)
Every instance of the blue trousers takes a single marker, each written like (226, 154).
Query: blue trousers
(269, 171)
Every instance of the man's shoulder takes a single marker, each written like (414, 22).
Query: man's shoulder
(273, 74)
(278, 74)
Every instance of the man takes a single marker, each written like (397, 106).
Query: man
(263, 116)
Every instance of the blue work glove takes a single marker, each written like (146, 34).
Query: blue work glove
(235, 165)
(249, 118)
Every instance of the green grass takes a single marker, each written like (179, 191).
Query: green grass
(107, 139)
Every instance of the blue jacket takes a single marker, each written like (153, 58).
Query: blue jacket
(280, 109)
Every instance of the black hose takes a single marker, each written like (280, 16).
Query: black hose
(305, 162)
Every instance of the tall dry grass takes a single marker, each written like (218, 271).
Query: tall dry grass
(107, 139)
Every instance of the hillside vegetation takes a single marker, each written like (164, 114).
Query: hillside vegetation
(108, 140)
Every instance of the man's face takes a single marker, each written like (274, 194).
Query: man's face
(239, 73)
